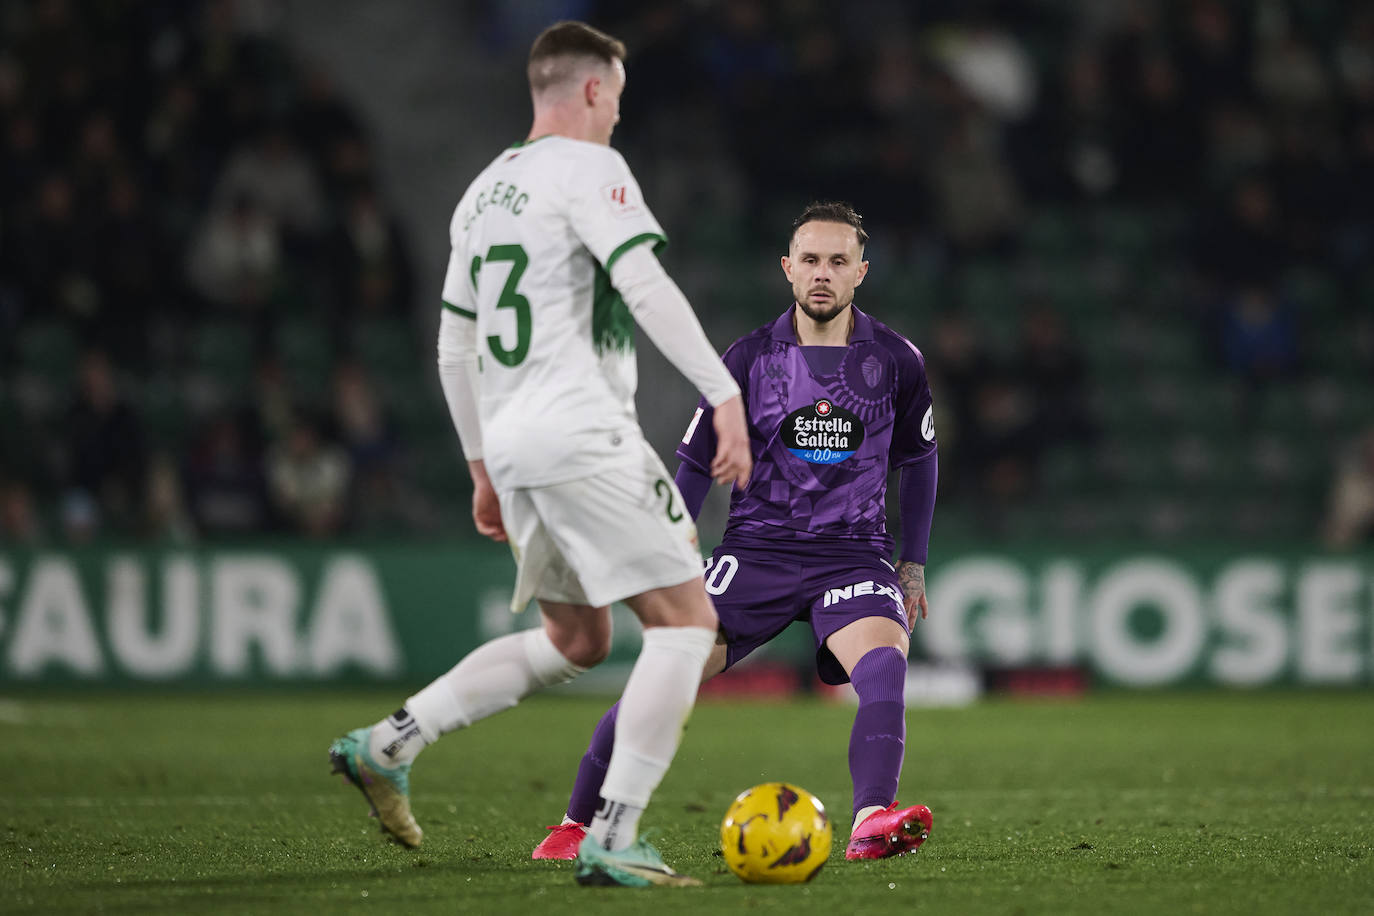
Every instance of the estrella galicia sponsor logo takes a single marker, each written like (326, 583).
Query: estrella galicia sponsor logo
(823, 433)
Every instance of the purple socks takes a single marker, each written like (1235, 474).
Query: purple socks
(877, 744)
(586, 793)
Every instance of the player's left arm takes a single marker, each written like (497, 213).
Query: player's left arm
(912, 577)
(916, 500)
(915, 451)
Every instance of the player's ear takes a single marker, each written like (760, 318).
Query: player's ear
(863, 272)
(787, 267)
(591, 89)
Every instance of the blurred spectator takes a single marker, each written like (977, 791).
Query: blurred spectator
(1354, 58)
(381, 497)
(273, 402)
(273, 174)
(957, 362)
(1161, 142)
(745, 60)
(1214, 57)
(1245, 242)
(236, 261)
(225, 485)
(977, 200)
(79, 517)
(347, 164)
(322, 118)
(104, 450)
(56, 251)
(1054, 372)
(133, 279)
(363, 427)
(1239, 142)
(182, 153)
(308, 480)
(1001, 447)
(231, 67)
(19, 522)
(991, 65)
(1350, 511)
(22, 164)
(98, 156)
(1310, 192)
(1354, 230)
(165, 515)
(890, 192)
(368, 259)
(1289, 74)
(1258, 334)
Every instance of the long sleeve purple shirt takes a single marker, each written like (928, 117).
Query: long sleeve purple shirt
(825, 429)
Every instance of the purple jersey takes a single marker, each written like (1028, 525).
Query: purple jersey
(823, 439)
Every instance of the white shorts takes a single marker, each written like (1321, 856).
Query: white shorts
(601, 539)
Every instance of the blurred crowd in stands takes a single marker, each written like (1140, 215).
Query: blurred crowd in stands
(168, 169)
(169, 165)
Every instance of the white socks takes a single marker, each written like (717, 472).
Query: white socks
(494, 676)
(657, 701)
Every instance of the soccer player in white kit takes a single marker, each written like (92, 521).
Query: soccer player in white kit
(553, 262)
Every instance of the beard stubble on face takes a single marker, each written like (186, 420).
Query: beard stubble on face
(821, 312)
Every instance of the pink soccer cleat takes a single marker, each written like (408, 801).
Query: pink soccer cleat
(561, 843)
(890, 832)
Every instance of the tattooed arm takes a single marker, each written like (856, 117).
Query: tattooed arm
(912, 577)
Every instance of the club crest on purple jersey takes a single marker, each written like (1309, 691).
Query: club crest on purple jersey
(872, 371)
(822, 433)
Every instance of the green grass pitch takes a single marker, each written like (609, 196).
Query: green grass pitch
(1150, 803)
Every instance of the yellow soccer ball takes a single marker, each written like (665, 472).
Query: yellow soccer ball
(775, 833)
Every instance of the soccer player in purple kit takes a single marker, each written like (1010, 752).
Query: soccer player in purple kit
(835, 399)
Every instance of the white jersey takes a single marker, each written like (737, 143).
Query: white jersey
(534, 239)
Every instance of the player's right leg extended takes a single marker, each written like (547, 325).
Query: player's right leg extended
(493, 677)
(387, 789)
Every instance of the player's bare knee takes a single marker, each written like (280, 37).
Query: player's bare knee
(587, 647)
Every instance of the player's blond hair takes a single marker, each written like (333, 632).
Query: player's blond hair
(561, 49)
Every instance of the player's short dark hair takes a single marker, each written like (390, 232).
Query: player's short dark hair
(554, 53)
(831, 211)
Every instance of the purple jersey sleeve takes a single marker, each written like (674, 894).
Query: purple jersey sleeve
(693, 483)
(913, 431)
(916, 500)
(698, 446)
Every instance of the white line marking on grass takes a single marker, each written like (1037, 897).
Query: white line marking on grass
(201, 801)
(1146, 793)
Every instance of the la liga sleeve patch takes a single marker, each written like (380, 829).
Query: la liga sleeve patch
(623, 199)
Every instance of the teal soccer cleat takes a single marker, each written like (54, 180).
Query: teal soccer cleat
(639, 865)
(387, 789)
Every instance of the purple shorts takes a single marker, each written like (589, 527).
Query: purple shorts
(757, 593)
